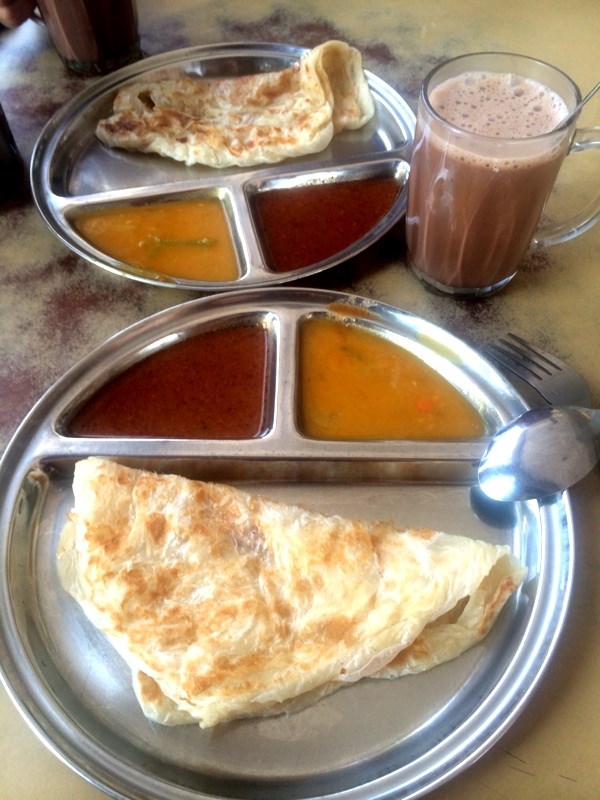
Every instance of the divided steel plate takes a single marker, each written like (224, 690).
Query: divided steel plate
(71, 171)
(376, 739)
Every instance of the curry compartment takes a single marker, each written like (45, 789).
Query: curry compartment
(209, 385)
(105, 203)
(189, 236)
(319, 217)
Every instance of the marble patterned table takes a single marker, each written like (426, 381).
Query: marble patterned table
(54, 308)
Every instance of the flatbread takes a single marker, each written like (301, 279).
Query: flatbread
(227, 605)
(246, 120)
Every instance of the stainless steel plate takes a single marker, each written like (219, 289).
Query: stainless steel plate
(377, 739)
(72, 171)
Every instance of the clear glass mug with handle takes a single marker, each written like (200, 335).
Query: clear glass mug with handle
(493, 130)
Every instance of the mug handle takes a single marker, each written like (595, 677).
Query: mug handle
(584, 139)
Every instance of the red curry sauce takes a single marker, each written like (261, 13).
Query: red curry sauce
(304, 225)
(211, 385)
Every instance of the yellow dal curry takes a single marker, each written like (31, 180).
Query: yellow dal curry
(187, 239)
(355, 384)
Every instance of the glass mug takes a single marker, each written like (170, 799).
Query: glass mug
(93, 37)
(475, 199)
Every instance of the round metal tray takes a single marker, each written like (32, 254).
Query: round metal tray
(72, 171)
(376, 739)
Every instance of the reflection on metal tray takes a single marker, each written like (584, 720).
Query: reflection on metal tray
(376, 739)
(72, 171)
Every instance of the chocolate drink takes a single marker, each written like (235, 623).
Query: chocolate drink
(93, 36)
(474, 201)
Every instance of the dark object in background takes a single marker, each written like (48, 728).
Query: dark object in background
(12, 170)
(93, 37)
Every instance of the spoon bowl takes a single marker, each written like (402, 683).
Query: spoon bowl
(544, 451)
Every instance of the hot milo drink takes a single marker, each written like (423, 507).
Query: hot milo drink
(478, 185)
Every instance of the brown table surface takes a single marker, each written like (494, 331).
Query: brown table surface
(54, 308)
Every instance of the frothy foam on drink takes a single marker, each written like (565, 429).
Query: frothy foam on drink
(498, 104)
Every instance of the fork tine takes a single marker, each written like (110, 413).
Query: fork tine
(554, 380)
(536, 361)
(511, 360)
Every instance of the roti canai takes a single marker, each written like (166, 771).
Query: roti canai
(227, 605)
(246, 120)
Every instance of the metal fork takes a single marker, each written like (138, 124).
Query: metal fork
(555, 381)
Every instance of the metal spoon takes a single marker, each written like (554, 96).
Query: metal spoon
(579, 106)
(545, 450)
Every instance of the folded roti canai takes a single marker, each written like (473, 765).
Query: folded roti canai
(227, 605)
(246, 120)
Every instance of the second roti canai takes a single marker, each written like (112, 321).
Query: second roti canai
(246, 120)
